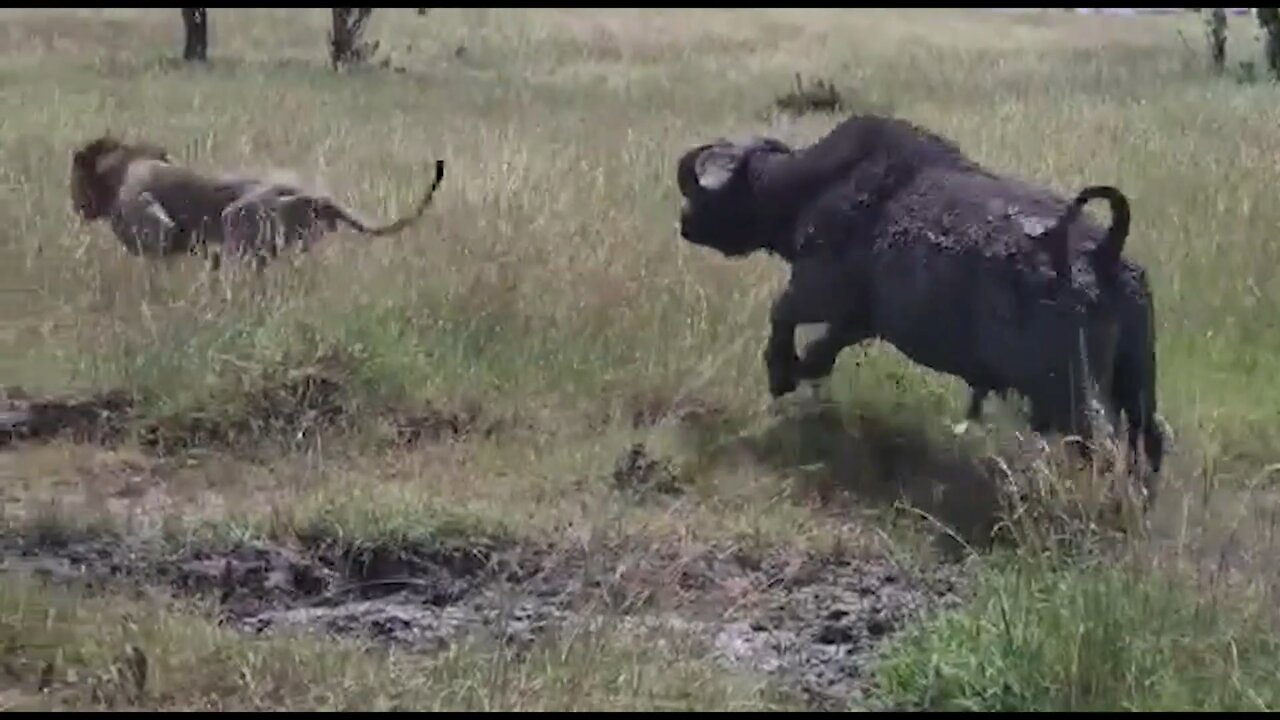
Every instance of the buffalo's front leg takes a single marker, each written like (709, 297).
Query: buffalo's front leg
(780, 351)
(801, 303)
(820, 357)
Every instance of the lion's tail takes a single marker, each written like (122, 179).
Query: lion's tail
(400, 223)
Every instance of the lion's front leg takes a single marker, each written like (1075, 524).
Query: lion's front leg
(145, 228)
(212, 258)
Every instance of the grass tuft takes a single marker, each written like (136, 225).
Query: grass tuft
(1042, 635)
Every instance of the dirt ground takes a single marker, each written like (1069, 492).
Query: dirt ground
(811, 622)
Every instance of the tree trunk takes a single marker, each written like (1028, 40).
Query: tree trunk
(1269, 19)
(344, 40)
(1218, 38)
(196, 22)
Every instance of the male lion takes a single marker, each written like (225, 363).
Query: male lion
(157, 208)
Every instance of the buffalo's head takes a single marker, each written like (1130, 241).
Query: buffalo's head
(721, 183)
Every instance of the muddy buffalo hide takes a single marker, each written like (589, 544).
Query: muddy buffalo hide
(892, 233)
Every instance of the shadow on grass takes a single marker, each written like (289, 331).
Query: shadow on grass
(840, 458)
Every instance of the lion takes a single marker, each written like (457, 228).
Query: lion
(159, 209)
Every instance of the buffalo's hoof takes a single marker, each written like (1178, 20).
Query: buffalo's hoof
(779, 387)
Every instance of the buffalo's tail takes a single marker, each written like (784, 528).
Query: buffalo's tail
(1107, 255)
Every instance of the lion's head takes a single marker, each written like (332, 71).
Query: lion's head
(97, 169)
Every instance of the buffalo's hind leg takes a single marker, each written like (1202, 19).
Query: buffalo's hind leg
(1062, 412)
(1134, 392)
(977, 396)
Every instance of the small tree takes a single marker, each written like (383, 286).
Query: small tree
(1269, 19)
(196, 23)
(1217, 35)
(345, 46)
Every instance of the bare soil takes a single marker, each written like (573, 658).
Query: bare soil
(811, 622)
(291, 407)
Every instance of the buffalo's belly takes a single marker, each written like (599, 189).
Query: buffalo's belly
(964, 315)
(925, 307)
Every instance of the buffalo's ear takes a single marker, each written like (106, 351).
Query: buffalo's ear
(716, 165)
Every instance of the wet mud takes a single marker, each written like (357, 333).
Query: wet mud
(290, 408)
(811, 623)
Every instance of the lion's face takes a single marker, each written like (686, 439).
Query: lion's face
(96, 170)
(83, 198)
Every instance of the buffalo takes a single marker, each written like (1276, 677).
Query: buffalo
(891, 232)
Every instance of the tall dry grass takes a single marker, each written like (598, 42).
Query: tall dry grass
(549, 279)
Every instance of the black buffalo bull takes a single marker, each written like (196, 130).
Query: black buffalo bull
(891, 232)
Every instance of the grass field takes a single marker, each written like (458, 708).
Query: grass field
(471, 389)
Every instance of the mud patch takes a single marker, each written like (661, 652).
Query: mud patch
(648, 410)
(98, 419)
(812, 623)
(290, 408)
(639, 473)
(291, 404)
(824, 626)
(440, 424)
(423, 599)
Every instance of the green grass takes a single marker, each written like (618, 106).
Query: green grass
(548, 287)
(1094, 637)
